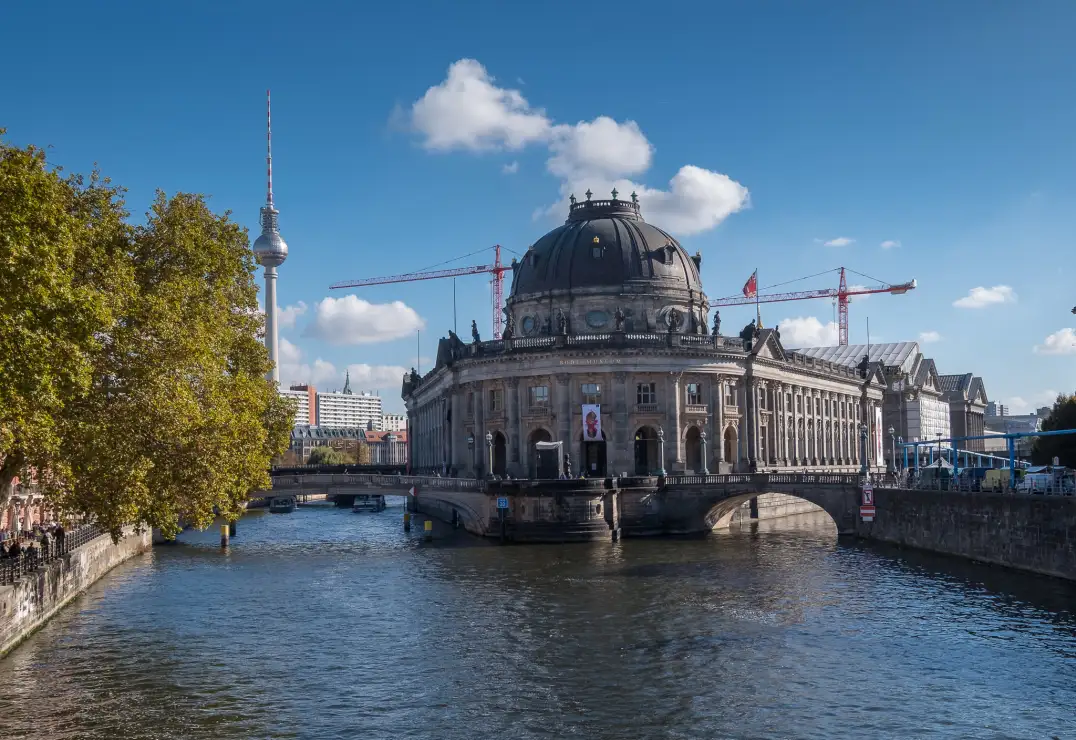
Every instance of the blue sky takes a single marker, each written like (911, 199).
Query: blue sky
(946, 127)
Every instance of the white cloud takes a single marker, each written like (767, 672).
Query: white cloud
(375, 377)
(1020, 405)
(807, 331)
(840, 241)
(287, 316)
(511, 168)
(467, 111)
(928, 337)
(982, 297)
(890, 243)
(601, 148)
(323, 374)
(1061, 342)
(351, 320)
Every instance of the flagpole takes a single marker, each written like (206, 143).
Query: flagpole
(758, 309)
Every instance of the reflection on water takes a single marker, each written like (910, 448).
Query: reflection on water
(328, 624)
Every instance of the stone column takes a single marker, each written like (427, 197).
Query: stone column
(514, 428)
(620, 443)
(480, 429)
(564, 417)
(678, 441)
(717, 397)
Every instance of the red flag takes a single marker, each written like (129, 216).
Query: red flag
(751, 286)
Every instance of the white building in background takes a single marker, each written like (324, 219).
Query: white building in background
(347, 409)
(305, 397)
(393, 423)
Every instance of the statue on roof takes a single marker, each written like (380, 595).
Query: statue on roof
(777, 331)
(618, 319)
(863, 365)
(717, 323)
(414, 377)
(748, 334)
(474, 332)
(562, 323)
(676, 320)
(509, 327)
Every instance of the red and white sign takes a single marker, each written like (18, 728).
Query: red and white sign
(866, 513)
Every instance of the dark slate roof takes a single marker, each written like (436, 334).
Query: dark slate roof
(958, 383)
(627, 248)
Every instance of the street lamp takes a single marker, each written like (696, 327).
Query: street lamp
(702, 441)
(893, 448)
(661, 451)
(489, 445)
(470, 446)
(863, 447)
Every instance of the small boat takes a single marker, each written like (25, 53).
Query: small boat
(281, 505)
(368, 502)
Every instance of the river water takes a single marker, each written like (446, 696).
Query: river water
(328, 624)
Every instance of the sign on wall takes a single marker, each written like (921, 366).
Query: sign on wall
(592, 422)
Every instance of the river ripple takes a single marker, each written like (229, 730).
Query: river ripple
(327, 624)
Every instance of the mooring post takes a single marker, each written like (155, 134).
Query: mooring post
(407, 520)
(224, 536)
(428, 527)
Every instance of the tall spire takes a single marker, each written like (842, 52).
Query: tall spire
(269, 146)
(347, 382)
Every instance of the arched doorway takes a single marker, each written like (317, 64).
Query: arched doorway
(500, 454)
(592, 458)
(693, 449)
(538, 435)
(730, 446)
(647, 451)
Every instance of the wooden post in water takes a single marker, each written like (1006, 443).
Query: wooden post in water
(224, 536)
(407, 520)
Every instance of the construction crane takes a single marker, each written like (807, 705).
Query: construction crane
(497, 269)
(841, 293)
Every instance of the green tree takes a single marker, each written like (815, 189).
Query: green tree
(1062, 416)
(362, 454)
(138, 388)
(327, 456)
(64, 278)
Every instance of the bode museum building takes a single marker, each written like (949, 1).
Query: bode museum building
(608, 349)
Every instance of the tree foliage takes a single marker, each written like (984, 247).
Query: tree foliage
(327, 456)
(1062, 416)
(133, 378)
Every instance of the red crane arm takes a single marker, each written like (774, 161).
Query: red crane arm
(411, 276)
(739, 300)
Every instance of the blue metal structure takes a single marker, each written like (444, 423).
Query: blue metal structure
(954, 449)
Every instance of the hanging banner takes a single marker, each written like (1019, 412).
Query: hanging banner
(592, 422)
(879, 443)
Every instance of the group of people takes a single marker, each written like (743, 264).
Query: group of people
(45, 539)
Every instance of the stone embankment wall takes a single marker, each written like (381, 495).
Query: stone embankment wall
(1029, 532)
(773, 506)
(29, 603)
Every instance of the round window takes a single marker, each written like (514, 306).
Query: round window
(528, 324)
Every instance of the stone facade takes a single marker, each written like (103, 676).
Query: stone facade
(608, 310)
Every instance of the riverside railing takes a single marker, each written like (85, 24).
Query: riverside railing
(36, 554)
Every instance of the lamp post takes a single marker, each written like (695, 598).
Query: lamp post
(702, 441)
(893, 448)
(661, 451)
(863, 447)
(470, 446)
(489, 446)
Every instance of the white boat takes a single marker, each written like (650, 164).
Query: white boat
(368, 502)
(281, 505)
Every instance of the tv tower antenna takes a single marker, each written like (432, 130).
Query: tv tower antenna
(270, 249)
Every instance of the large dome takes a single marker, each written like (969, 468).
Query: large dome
(606, 269)
(604, 243)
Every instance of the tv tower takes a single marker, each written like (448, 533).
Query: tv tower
(270, 249)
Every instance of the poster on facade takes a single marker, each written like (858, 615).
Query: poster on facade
(592, 422)
(879, 443)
